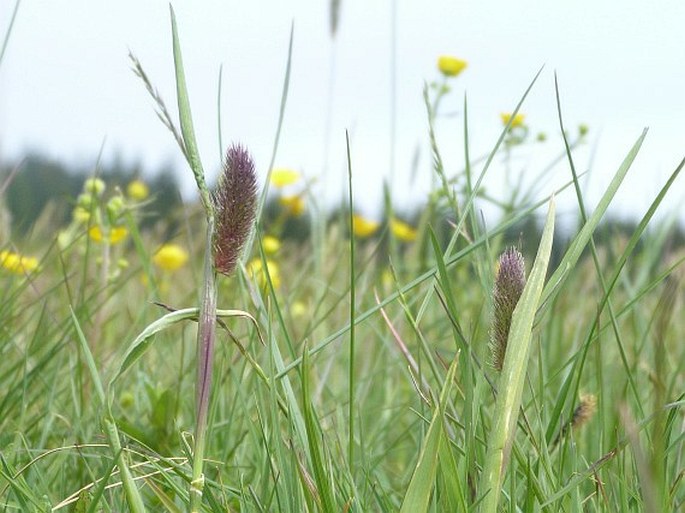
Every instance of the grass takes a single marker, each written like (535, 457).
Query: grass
(350, 374)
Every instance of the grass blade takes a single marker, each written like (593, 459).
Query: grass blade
(190, 144)
(422, 481)
(90, 361)
(581, 240)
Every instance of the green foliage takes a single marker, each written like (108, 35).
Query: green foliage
(38, 182)
(360, 381)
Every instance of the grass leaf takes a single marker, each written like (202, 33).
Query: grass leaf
(422, 482)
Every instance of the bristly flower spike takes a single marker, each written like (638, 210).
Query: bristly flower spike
(235, 205)
(509, 284)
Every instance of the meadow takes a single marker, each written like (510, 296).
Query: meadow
(416, 363)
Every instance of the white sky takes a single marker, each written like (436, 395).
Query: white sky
(66, 86)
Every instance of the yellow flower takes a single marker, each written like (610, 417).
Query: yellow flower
(256, 271)
(16, 263)
(402, 231)
(293, 204)
(281, 177)
(517, 121)
(451, 66)
(170, 257)
(271, 244)
(362, 227)
(116, 234)
(137, 190)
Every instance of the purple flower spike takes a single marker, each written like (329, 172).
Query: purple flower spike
(235, 205)
(509, 283)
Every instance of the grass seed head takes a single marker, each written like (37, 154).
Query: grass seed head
(235, 205)
(584, 411)
(509, 283)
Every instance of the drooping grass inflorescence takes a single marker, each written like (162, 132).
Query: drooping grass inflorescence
(509, 283)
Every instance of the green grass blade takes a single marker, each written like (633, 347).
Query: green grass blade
(22, 490)
(450, 474)
(449, 262)
(514, 373)
(142, 342)
(100, 488)
(9, 30)
(422, 481)
(353, 300)
(632, 244)
(90, 362)
(581, 240)
(277, 138)
(135, 501)
(315, 441)
(190, 143)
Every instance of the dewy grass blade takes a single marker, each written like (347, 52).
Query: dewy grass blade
(514, 374)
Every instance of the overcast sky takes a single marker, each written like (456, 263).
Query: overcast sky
(66, 86)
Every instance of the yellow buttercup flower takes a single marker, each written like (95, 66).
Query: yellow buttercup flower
(116, 234)
(271, 244)
(17, 264)
(170, 257)
(402, 230)
(256, 270)
(362, 227)
(517, 121)
(137, 190)
(282, 177)
(293, 204)
(451, 66)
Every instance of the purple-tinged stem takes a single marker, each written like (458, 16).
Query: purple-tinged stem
(206, 335)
